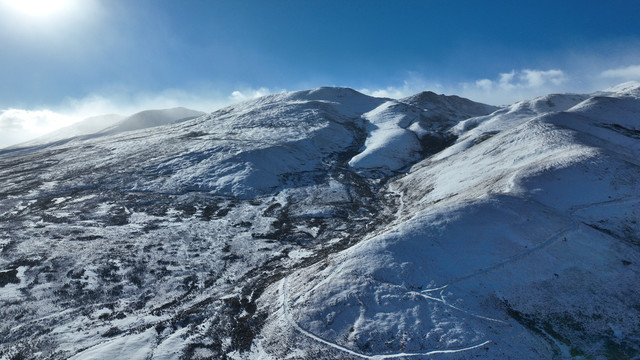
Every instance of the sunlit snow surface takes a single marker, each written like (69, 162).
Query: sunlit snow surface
(326, 224)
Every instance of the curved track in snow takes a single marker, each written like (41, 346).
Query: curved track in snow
(575, 224)
(295, 325)
(552, 238)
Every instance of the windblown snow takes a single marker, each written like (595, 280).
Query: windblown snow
(327, 224)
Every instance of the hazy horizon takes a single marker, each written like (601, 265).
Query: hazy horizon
(66, 60)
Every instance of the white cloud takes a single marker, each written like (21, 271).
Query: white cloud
(17, 125)
(515, 85)
(523, 79)
(37, 121)
(631, 72)
(484, 84)
(505, 88)
(388, 92)
(506, 79)
(537, 78)
(413, 85)
(125, 102)
(248, 94)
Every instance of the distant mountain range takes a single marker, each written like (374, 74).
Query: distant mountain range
(112, 124)
(328, 224)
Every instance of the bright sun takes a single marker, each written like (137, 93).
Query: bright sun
(40, 8)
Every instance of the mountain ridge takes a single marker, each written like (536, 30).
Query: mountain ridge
(327, 224)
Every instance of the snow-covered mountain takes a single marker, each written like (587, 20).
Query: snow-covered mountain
(87, 126)
(112, 124)
(447, 108)
(151, 118)
(327, 224)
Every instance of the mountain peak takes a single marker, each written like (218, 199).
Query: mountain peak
(152, 118)
(328, 93)
(452, 106)
(627, 88)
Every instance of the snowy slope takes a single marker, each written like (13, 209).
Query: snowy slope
(151, 118)
(327, 224)
(402, 132)
(478, 129)
(522, 246)
(448, 107)
(390, 143)
(172, 228)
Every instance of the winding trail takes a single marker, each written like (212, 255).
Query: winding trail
(575, 224)
(287, 315)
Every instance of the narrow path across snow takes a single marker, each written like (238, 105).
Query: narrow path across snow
(575, 224)
(287, 316)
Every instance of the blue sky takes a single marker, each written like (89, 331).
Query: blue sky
(88, 57)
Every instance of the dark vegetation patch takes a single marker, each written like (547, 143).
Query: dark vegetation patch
(484, 136)
(76, 274)
(208, 211)
(55, 219)
(118, 216)
(603, 230)
(432, 144)
(151, 226)
(271, 210)
(570, 330)
(632, 133)
(88, 238)
(620, 350)
(194, 134)
(626, 233)
(27, 262)
(9, 277)
(187, 209)
(114, 331)
(223, 212)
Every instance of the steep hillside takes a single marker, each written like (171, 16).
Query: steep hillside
(166, 235)
(523, 244)
(327, 224)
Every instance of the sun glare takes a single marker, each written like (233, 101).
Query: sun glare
(40, 8)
